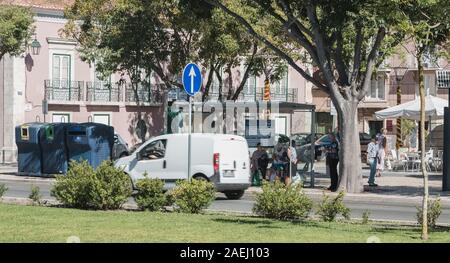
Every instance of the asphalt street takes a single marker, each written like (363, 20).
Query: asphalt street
(402, 210)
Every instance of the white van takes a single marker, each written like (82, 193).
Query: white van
(219, 158)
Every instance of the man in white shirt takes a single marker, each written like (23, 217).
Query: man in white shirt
(372, 150)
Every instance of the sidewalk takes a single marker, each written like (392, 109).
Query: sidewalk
(392, 185)
(9, 172)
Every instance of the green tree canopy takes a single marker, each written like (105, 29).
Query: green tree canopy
(344, 40)
(15, 29)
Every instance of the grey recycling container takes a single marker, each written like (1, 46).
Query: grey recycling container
(29, 152)
(52, 140)
(90, 141)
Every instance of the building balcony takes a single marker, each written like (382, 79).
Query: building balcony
(63, 90)
(286, 95)
(257, 94)
(146, 94)
(103, 91)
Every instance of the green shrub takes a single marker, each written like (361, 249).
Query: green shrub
(73, 189)
(434, 211)
(35, 194)
(193, 196)
(282, 202)
(150, 194)
(170, 199)
(83, 187)
(111, 188)
(3, 190)
(366, 217)
(329, 208)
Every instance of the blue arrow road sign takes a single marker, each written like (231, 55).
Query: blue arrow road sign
(192, 79)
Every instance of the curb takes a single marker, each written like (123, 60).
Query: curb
(25, 201)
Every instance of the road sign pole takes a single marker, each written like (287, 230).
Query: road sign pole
(192, 81)
(189, 138)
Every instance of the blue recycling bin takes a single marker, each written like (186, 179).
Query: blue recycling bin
(52, 141)
(29, 153)
(90, 141)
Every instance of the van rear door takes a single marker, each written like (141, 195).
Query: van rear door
(234, 160)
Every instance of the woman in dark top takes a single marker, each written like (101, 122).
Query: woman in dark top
(332, 160)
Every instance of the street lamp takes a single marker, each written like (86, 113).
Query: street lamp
(35, 46)
(400, 73)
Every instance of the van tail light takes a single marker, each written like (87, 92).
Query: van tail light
(216, 162)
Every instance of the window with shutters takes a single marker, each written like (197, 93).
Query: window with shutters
(377, 89)
(61, 70)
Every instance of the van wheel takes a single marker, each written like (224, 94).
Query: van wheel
(200, 177)
(234, 195)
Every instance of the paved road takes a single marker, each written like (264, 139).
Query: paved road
(392, 210)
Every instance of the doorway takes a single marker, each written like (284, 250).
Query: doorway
(375, 127)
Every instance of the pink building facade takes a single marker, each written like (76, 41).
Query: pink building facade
(70, 88)
(73, 92)
(58, 78)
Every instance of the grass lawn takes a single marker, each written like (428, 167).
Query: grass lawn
(46, 224)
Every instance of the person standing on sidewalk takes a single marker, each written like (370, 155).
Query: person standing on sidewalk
(380, 156)
(257, 171)
(380, 137)
(333, 159)
(372, 152)
(292, 156)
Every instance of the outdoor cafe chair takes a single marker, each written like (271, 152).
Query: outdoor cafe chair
(397, 161)
(436, 161)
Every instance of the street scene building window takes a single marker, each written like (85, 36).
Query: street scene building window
(280, 87)
(377, 89)
(443, 78)
(61, 70)
(429, 84)
(250, 85)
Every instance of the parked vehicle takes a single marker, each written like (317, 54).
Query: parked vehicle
(120, 147)
(305, 138)
(219, 158)
(324, 141)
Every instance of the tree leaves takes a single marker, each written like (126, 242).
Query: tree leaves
(15, 29)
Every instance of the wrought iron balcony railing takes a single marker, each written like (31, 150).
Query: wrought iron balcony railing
(144, 93)
(103, 91)
(63, 90)
(287, 95)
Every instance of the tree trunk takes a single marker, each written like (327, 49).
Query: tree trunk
(422, 153)
(230, 83)
(208, 83)
(219, 79)
(350, 177)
